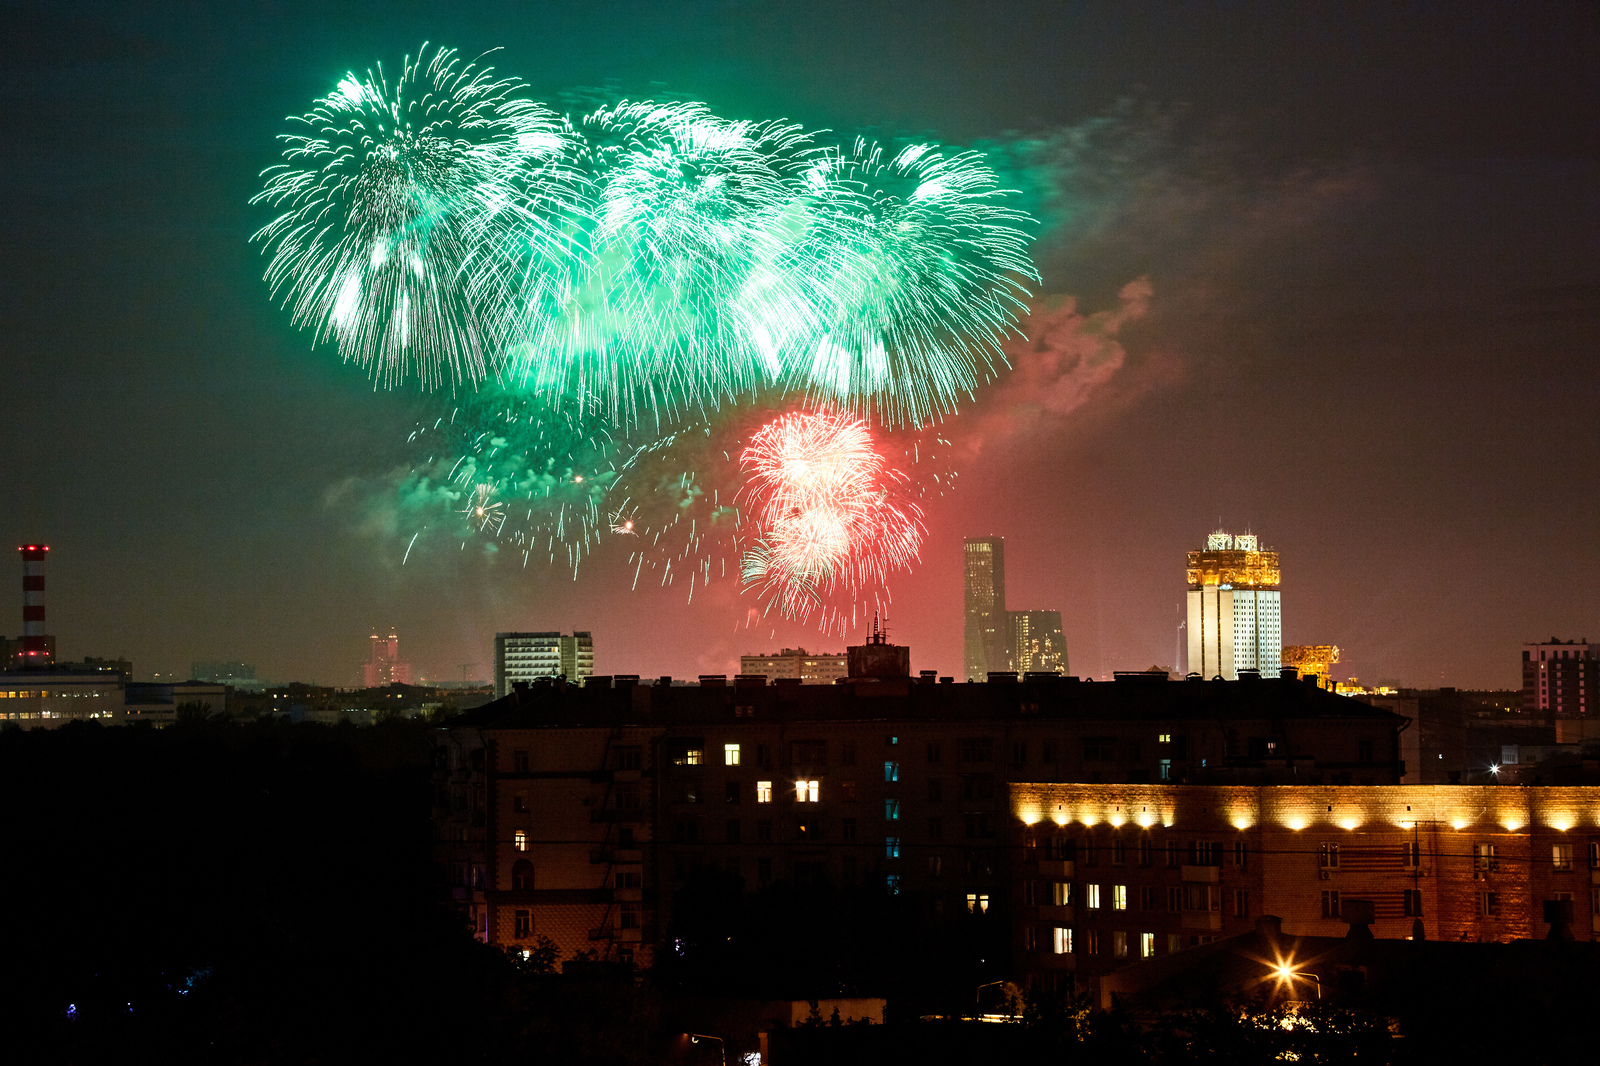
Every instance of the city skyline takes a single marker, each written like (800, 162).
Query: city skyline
(1421, 220)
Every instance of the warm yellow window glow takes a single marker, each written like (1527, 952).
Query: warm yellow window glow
(763, 791)
(520, 840)
(1119, 897)
(807, 791)
(730, 755)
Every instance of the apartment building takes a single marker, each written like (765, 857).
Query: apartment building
(579, 813)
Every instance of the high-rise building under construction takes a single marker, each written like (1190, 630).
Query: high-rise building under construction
(986, 634)
(1235, 621)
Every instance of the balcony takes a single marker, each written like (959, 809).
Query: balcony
(1201, 875)
(1049, 960)
(1062, 869)
(1050, 913)
(1211, 921)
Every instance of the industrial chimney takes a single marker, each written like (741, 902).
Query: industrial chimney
(35, 648)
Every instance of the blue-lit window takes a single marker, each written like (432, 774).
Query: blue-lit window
(1166, 769)
(891, 771)
(891, 810)
(892, 881)
(891, 847)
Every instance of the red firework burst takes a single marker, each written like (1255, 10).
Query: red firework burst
(827, 517)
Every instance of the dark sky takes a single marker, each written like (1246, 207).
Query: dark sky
(1367, 327)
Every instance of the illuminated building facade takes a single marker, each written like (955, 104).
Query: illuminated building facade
(1314, 660)
(384, 665)
(1109, 874)
(1037, 643)
(986, 631)
(1560, 678)
(622, 791)
(527, 657)
(791, 663)
(1235, 622)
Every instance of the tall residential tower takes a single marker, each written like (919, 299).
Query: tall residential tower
(1234, 618)
(986, 635)
(526, 656)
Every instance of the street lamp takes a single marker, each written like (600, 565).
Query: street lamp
(722, 1048)
(1287, 973)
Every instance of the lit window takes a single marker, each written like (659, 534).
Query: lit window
(1164, 738)
(1119, 897)
(1061, 893)
(892, 882)
(977, 903)
(891, 847)
(891, 771)
(1561, 857)
(891, 810)
(1091, 897)
(521, 840)
(1147, 945)
(730, 755)
(1119, 944)
(806, 791)
(1063, 940)
(763, 791)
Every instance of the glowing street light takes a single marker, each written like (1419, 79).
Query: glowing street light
(1286, 974)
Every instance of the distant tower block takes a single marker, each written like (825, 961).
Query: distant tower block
(36, 648)
(1313, 660)
(1235, 618)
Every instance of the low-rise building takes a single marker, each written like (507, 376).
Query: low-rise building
(1109, 874)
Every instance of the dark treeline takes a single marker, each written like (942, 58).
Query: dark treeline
(262, 893)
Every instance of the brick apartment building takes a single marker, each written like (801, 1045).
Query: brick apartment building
(1110, 874)
(578, 813)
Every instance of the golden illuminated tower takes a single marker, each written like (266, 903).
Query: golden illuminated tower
(1235, 621)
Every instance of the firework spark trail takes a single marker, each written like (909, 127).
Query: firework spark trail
(388, 197)
(648, 260)
(821, 504)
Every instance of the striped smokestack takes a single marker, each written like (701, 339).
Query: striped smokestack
(36, 648)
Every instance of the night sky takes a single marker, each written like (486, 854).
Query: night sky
(1336, 272)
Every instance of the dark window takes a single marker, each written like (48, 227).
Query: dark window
(733, 830)
(847, 867)
(626, 757)
(764, 831)
(1133, 751)
(1330, 904)
(1119, 851)
(764, 870)
(935, 790)
(935, 828)
(686, 830)
(628, 879)
(1241, 855)
(1241, 903)
(847, 829)
(1364, 751)
(1019, 752)
(976, 749)
(847, 791)
(933, 753)
(627, 916)
(1145, 856)
(523, 921)
(522, 876)
(980, 826)
(763, 755)
(1050, 751)
(731, 791)
(519, 760)
(977, 786)
(1147, 897)
(847, 753)
(1327, 856)
(519, 802)
(1413, 903)
(808, 752)
(1099, 749)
